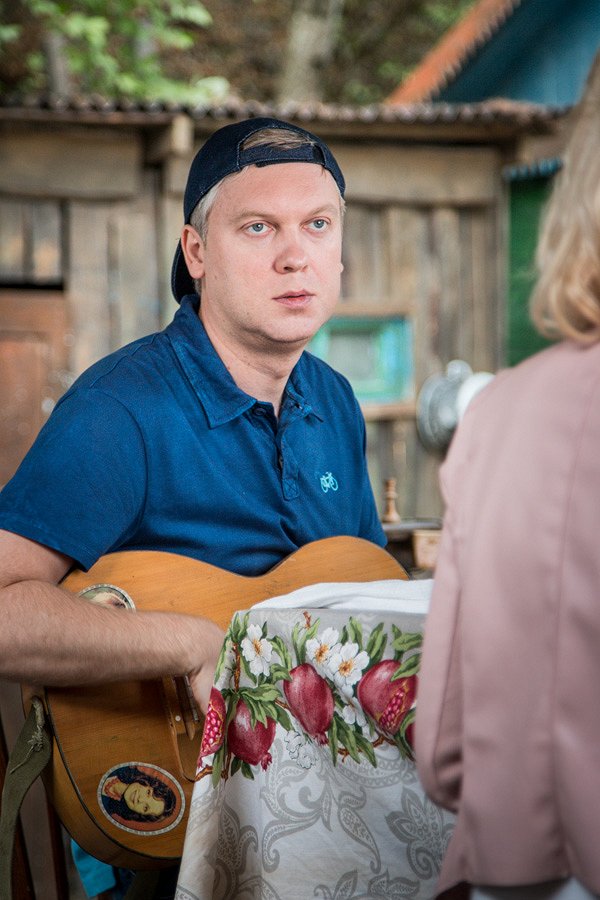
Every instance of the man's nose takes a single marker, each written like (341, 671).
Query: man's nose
(291, 254)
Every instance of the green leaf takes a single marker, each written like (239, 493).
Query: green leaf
(255, 708)
(278, 673)
(246, 667)
(236, 764)
(235, 698)
(407, 641)
(333, 739)
(347, 739)
(238, 627)
(264, 692)
(282, 651)
(377, 643)
(296, 641)
(9, 33)
(282, 718)
(247, 771)
(409, 667)
(355, 633)
(217, 766)
(400, 739)
(194, 13)
(366, 747)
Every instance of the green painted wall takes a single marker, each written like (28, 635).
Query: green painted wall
(527, 198)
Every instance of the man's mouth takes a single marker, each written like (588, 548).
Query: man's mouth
(294, 298)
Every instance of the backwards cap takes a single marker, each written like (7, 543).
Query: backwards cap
(222, 155)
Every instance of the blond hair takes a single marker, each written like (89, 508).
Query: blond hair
(566, 299)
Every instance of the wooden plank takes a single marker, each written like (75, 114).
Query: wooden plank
(133, 272)
(23, 377)
(169, 225)
(420, 174)
(73, 162)
(406, 229)
(88, 288)
(175, 173)
(33, 360)
(423, 468)
(46, 243)
(12, 245)
(445, 223)
(364, 278)
(428, 292)
(484, 293)
(30, 242)
(468, 302)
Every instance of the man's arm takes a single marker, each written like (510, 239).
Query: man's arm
(48, 636)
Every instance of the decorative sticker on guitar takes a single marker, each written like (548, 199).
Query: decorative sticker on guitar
(107, 595)
(141, 798)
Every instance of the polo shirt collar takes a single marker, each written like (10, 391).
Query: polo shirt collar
(298, 389)
(210, 380)
(218, 393)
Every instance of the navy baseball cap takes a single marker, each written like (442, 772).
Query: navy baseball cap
(222, 155)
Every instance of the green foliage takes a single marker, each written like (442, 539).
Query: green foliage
(381, 43)
(8, 33)
(116, 48)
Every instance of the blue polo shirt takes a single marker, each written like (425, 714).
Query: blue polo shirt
(156, 448)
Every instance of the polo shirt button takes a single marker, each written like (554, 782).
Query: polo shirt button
(259, 411)
(280, 461)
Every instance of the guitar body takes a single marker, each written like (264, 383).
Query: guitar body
(139, 733)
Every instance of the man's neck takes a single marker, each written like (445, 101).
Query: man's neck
(261, 374)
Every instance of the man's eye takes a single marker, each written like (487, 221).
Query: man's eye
(257, 228)
(319, 224)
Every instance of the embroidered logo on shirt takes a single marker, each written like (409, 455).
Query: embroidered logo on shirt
(328, 482)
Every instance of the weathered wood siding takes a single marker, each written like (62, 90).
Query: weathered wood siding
(424, 238)
(96, 213)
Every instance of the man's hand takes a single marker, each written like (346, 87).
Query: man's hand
(201, 678)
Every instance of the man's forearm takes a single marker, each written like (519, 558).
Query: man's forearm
(51, 637)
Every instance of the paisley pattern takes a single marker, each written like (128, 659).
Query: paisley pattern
(329, 819)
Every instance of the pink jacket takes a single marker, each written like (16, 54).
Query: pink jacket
(508, 713)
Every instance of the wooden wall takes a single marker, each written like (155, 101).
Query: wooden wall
(425, 238)
(95, 213)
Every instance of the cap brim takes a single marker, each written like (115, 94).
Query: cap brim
(182, 282)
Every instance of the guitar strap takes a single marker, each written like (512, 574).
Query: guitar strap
(144, 885)
(29, 757)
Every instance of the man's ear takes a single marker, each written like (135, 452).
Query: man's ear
(192, 246)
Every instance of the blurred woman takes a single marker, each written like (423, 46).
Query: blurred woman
(508, 715)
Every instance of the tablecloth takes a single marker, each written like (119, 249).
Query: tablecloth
(306, 786)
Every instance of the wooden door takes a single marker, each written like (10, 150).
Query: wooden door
(33, 375)
(33, 368)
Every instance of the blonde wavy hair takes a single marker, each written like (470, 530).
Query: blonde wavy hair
(566, 299)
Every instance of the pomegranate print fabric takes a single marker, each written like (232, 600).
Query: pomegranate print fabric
(331, 686)
(305, 782)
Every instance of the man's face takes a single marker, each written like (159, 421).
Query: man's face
(271, 262)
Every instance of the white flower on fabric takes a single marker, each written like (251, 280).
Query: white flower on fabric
(300, 749)
(353, 715)
(319, 649)
(257, 651)
(346, 666)
(228, 665)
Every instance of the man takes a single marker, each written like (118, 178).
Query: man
(217, 438)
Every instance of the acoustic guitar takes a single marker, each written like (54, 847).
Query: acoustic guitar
(124, 737)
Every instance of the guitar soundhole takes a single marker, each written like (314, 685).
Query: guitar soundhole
(107, 595)
(141, 798)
